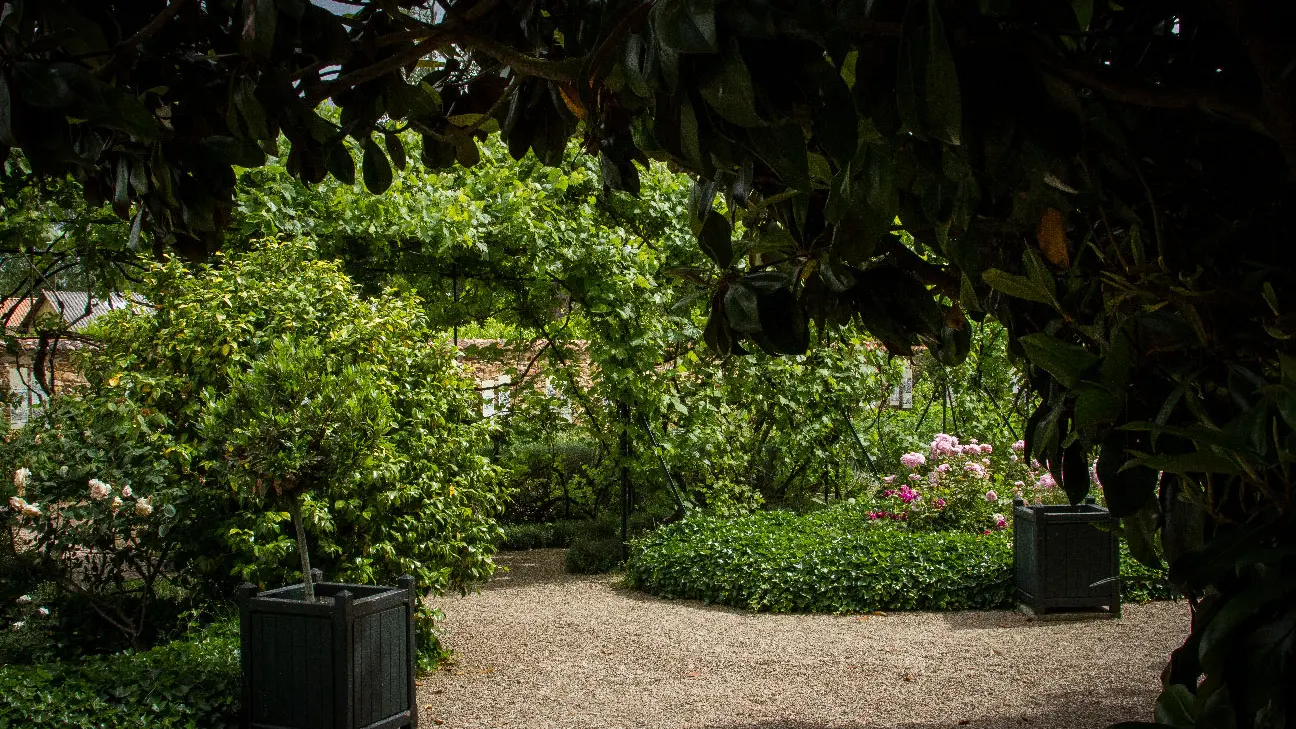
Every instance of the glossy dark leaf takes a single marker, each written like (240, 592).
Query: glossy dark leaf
(783, 148)
(396, 149)
(942, 96)
(715, 239)
(1016, 286)
(727, 88)
(686, 26)
(741, 309)
(340, 163)
(1075, 472)
(1066, 361)
(375, 168)
(259, 20)
(6, 112)
(1126, 490)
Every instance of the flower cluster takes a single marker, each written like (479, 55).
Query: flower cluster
(960, 486)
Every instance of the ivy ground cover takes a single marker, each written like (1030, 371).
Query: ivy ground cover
(838, 560)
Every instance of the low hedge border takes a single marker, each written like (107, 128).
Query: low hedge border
(837, 561)
(187, 684)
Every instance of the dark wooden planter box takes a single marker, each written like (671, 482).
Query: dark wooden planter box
(1066, 558)
(345, 661)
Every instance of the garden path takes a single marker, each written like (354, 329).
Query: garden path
(539, 648)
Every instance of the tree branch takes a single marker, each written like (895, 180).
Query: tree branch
(1129, 91)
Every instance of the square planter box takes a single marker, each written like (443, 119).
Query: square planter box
(345, 661)
(1066, 558)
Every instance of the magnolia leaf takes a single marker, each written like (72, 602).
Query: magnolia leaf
(377, 171)
(942, 95)
(913, 50)
(1126, 488)
(340, 163)
(259, 18)
(1051, 233)
(783, 148)
(6, 112)
(727, 88)
(396, 149)
(741, 309)
(1176, 707)
(715, 239)
(1016, 286)
(688, 131)
(1065, 361)
(687, 26)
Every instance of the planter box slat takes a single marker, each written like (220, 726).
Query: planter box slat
(1066, 558)
(340, 663)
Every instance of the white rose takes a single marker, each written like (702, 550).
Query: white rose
(126, 492)
(20, 479)
(143, 507)
(32, 510)
(24, 600)
(116, 504)
(19, 625)
(99, 490)
(16, 504)
(43, 612)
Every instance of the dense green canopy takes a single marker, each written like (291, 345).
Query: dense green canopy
(1111, 181)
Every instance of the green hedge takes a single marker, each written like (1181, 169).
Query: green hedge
(835, 560)
(189, 684)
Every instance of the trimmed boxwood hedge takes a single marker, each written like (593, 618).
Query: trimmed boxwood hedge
(187, 684)
(836, 560)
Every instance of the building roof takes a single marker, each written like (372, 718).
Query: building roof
(79, 308)
(14, 312)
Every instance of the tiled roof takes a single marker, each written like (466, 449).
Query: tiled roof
(79, 308)
(14, 311)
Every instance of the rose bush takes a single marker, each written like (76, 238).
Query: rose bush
(963, 486)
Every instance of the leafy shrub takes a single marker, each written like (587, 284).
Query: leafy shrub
(188, 684)
(429, 511)
(565, 533)
(590, 555)
(835, 560)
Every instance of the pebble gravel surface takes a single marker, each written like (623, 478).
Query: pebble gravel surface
(537, 648)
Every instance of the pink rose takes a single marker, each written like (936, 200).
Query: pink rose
(1019, 446)
(913, 460)
(992, 496)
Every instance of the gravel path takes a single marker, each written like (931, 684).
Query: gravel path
(538, 648)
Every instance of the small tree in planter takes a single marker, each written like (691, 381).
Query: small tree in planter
(294, 423)
(299, 421)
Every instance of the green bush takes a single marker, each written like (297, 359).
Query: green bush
(835, 560)
(194, 683)
(590, 555)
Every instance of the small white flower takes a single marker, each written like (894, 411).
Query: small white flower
(116, 504)
(63, 470)
(20, 479)
(32, 510)
(19, 625)
(126, 492)
(43, 612)
(24, 600)
(99, 490)
(16, 503)
(143, 507)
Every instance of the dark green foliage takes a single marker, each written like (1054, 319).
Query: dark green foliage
(835, 560)
(189, 684)
(592, 555)
(547, 535)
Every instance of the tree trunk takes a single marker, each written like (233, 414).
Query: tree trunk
(294, 508)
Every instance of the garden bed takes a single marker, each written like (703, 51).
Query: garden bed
(837, 560)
